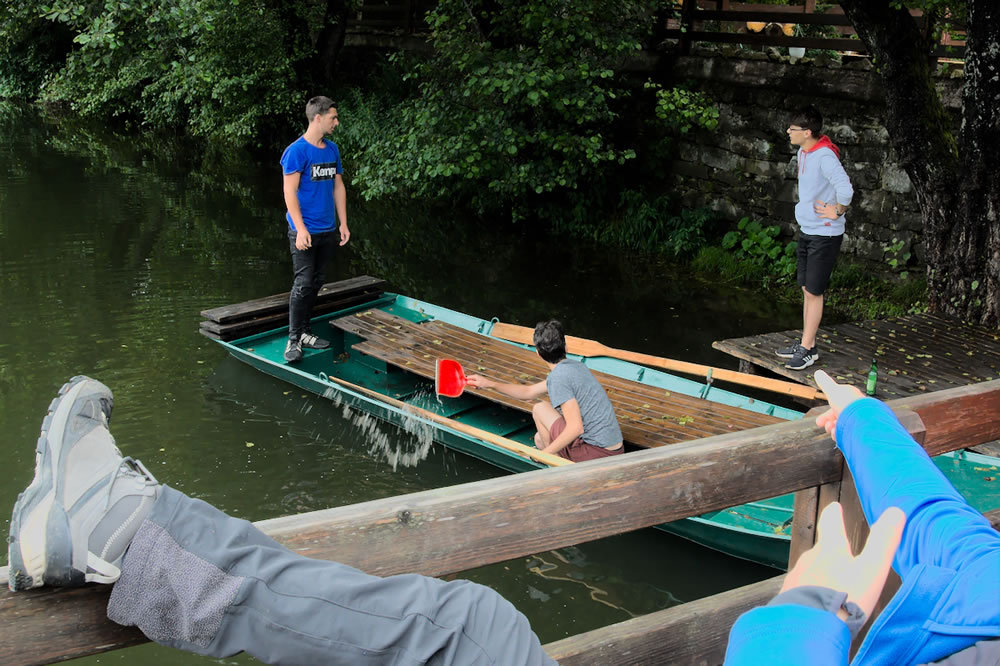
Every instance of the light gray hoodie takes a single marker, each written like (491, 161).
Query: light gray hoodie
(821, 178)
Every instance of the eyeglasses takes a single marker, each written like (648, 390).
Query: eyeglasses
(797, 129)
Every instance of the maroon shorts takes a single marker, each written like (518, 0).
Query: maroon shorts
(578, 450)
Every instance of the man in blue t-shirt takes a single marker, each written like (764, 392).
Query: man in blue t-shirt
(316, 199)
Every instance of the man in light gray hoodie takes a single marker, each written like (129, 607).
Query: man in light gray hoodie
(825, 192)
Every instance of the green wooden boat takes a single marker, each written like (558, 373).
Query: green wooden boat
(383, 345)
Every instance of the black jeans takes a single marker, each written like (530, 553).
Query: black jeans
(309, 269)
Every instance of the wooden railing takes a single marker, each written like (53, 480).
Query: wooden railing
(748, 23)
(720, 21)
(454, 529)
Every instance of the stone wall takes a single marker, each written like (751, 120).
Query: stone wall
(746, 166)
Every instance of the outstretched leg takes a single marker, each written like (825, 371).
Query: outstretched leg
(195, 578)
(203, 581)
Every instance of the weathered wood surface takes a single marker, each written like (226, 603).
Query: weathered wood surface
(244, 328)
(279, 302)
(649, 417)
(48, 625)
(229, 322)
(973, 417)
(803, 530)
(592, 348)
(454, 529)
(988, 449)
(693, 633)
(916, 354)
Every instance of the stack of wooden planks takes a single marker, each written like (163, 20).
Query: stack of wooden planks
(239, 320)
(649, 416)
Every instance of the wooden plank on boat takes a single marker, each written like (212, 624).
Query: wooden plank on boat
(915, 354)
(648, 416)
(277, 303)
(457, 528)
(239, 320)
(244, 327)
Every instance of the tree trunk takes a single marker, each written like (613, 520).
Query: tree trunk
(976, 291)
(957, 190)
(330, 41)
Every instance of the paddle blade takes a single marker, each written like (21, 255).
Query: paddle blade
(449, 378)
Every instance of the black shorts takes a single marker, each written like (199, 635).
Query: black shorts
(816, 257)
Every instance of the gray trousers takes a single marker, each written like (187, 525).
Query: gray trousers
(197, 579)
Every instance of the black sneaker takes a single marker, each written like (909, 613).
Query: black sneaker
(802, 358)
(310, 341)
(786, 352)
(293, 351)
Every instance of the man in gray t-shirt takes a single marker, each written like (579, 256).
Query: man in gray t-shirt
(579, 423)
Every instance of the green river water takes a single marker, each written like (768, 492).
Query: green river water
(109, 249)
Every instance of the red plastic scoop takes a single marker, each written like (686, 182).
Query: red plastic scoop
(449, 378)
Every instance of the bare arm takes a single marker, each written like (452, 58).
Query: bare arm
(516, 391)
(340, 201)
(290, 188)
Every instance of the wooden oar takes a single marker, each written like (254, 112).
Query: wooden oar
(584, 347)
(531, 452)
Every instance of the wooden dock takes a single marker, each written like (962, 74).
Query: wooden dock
(915, 354)
(649, 416)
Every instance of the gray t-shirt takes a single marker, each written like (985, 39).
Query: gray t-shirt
(572, 379)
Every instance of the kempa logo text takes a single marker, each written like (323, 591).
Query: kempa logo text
(324, 171)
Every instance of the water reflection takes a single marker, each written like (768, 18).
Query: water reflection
(110, 247)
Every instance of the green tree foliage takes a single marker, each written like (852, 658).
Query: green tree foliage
(517, 102)
(681, 109)
(212, 68)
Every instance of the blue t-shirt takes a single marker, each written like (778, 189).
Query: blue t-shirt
(319, 168)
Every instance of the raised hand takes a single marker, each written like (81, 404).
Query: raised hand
(830, 563)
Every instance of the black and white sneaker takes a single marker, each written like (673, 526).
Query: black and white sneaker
(802, 358)
(786, 352)
(293, 351)
(310, 341)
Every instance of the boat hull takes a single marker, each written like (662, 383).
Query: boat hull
(759, 531)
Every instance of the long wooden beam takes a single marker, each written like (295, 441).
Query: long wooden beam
(453, 529)
(693, 633)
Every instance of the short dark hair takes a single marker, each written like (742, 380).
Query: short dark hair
(808, 117)
(317, 106)
(550, 341)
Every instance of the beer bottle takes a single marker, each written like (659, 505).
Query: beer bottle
(872, 378)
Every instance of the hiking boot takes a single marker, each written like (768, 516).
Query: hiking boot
(310, 341)
(293, 351)
(74, 522)
(802, 358)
